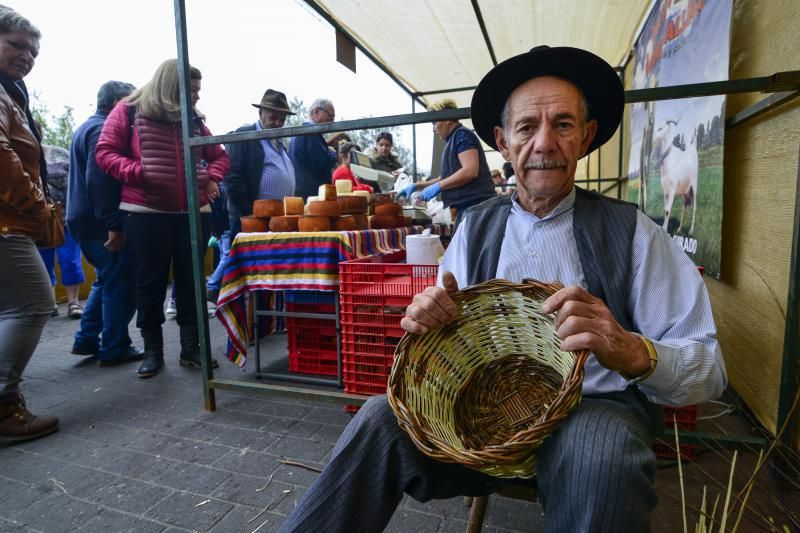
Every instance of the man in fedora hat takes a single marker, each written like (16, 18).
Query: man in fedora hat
(631, 297)
(260, 170)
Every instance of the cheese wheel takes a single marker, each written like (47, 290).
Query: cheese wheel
(293, 205)
(379, 198)
(388, 209)
(343, 186)
(324, 208)
(254, 224)
(408, 221)
(362, 221)
(385, 222)
(365, 194)
(327, 192)
(344, 223)
(352, 204)
(287, 223)
(268, 208)
(314, 223)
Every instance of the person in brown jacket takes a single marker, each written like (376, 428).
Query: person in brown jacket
(26, 299)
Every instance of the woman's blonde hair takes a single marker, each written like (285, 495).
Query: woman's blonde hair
(159, 99)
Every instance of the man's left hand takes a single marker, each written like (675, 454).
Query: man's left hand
(429, 192)
(212, 191)
(583, 322)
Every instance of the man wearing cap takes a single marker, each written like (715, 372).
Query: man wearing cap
(260, 170)
(631, 297)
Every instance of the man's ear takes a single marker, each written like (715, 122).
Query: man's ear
(500, 140)
(588, 135)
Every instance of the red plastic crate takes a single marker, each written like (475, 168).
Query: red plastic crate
(374, 293)
(312, 341)
(686, 419)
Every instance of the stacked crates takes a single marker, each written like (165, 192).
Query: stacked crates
(374, 293)
(312, 341)
(686, 420)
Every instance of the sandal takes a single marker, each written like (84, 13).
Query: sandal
(74, 310)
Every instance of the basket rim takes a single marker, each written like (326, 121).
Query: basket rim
(520, 447)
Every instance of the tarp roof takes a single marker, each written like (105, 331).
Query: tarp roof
(430, 45)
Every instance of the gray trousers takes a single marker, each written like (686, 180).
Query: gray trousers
(595, 473)
(26, 301)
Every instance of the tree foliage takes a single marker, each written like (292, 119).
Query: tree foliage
(57, 130)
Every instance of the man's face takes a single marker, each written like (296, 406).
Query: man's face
(324, 114)
(443, 128)
(196, 85)
(384, 147)
(545, 137)
(271, 119)
(18, 51)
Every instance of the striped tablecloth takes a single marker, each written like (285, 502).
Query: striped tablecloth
(290, 261)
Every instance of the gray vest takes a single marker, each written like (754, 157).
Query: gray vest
(603, 228)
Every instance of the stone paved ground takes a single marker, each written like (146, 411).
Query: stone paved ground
(142, 455)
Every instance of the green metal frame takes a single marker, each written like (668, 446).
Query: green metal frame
(785, 84)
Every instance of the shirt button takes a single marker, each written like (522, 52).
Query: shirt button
(535, 253)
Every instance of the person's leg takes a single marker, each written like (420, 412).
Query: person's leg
(48, 256)
(110, 308)
(87, 338)
(69, 259)
(150, 242)
(596, 472)
(184, 288)
(26, 303)
(373, 463)
(214, 281)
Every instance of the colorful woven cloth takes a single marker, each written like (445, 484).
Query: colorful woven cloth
(290, 261)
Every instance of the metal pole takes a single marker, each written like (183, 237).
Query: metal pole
(195, 232)
(414, 139)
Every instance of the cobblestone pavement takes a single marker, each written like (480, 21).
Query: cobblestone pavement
(142, 455)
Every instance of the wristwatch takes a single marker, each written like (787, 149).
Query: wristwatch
(652, 354)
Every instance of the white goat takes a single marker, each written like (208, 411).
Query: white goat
(678, 171)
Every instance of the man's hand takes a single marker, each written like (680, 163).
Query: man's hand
(115, 242)
(431, 308)
(429, 192)
(212, 190)
(584, 322)
(407, 190)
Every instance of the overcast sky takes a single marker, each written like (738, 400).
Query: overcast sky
(242, 48)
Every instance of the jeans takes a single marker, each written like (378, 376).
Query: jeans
(111, 303)
(69, 259)
(26, 301)
(214, 282)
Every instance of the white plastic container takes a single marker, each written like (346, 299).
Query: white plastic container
(423, 249)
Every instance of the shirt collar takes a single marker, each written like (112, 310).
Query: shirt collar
(563, 206)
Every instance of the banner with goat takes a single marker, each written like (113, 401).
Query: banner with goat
(675, 164)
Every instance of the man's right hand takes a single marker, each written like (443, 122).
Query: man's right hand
(115, 242)
(432, 308)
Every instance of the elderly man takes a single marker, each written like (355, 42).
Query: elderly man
(631, 296)
(94, 219)
(314, 158)
(260, 170)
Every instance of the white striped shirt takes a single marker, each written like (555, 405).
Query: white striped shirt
(668, 300)
(277, 178)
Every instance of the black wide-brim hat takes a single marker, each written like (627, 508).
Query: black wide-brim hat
(597, 80)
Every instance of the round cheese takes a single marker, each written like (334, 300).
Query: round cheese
(268, 208)
(352, 204)
(286, 223)
(293, 205)
(362, 221)
(327, 192)
(254, 224)
(308, 223)
(343, 186)
(344, 223)
(324, 208)
(385, 222)
(388, 209)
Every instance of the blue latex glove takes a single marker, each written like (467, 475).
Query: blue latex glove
(432, 190)
(408, 190)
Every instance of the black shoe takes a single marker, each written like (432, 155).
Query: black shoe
(85, 352)
(152, 364)
(132, 354)
(212, 295)
(193, 360)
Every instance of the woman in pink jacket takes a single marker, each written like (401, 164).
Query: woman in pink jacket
(141, 145)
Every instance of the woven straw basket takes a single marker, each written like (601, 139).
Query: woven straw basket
(487, 389)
